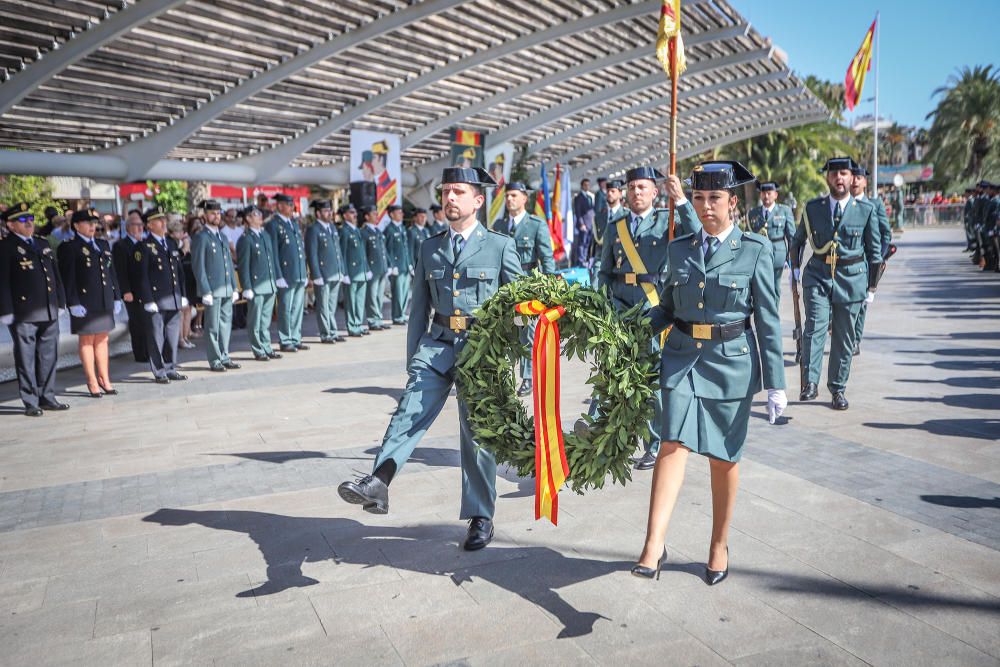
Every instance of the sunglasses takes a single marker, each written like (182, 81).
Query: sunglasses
(23, 218)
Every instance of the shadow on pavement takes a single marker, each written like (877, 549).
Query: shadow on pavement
(965, 502)
(393, 392)
(970, 401)
(983, 429)
(277, 457)
(985, 382)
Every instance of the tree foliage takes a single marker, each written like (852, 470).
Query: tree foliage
(172, 196)
(35, 190)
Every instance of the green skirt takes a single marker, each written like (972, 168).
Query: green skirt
(715, 428)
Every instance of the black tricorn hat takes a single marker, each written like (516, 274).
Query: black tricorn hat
(283, 198)
(393, 208)
(320, 204)
(838, 163)
(153, 213)
(860, 170)
(365, 210)
(767, 186)
(719, 175)
(419, 210)
(518, 186)
(616, 183)
(18, 210)
(251, 210)
(210, 205)
(434, 208)
(86, 215)
(345, 208)
(471, 175)
(640, 173)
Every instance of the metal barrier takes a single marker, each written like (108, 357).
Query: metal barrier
(921, 215)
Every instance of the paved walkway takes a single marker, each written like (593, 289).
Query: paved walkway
(198, 523)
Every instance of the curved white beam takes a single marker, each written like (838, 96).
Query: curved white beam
(274, 160)
(78, 48)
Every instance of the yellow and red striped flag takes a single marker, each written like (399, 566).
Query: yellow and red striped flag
(670, 27)
(858, 69)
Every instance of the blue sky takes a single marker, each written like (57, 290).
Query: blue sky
(922, 43)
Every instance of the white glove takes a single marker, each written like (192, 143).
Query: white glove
(236, 296)
(281, 283)
(411, 271)
(7, 320)
(151, 308)
(184, 302)
(118, 307)
(77, 311)
(776, 404)
(207, 300)
(62, 311)
(395, 271)
(797, 275)
(368, 276)
(248, 294)
(519, 321)
(870, 297)
(318, 282)
(346, 280)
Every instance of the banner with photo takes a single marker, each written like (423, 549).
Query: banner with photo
(467, 148)
(375, 158)
(499, 161)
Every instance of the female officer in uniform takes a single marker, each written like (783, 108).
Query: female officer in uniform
(92, 295)
(713, 362)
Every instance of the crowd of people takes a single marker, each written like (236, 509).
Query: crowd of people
(981, 218)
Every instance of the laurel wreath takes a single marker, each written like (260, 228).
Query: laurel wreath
(622, 375)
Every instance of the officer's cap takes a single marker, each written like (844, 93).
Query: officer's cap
(19, 210)
(365, 210)
(839, 163)
(859, 170)
(641, 173)
(719, 175)
(602, 179)
(210, 205)
(434, 208)
(471, 175)
(251, 210)
(282, 198)
(616, 183)
(983, 184)
(518, 186)
(346, 208)
(86, 215)
(319, 204)
(419, 210)
(393, 208)
(153, 214)
(767, 186)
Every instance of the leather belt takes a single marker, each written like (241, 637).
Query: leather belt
(727, 331)
(456, 323)
(636, 278)
(841, 261)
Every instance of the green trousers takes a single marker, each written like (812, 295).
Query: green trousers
(354, 305)
(291, 305)
(527, 336)
(425, 394)
(374, 296)
(777, 285)
(259, 313)
(820, 311)
(326, 296)
(399, 288)
(859, 328)
(218, 323)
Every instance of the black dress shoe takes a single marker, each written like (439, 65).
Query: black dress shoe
(355, 334)
(56, 406)
(581, 428)
(857, 350)
(262, 357)
(327, 341)
(713, 577)
(370, 492)
(231, 365)
(174, 375)
(525, 388)
(340, 339)
(480, 533)
(217, 369)
(809, 393)
(648, 572)
(274, 355)
(839, 401)
(289, 348)
(366, 332)
(301, 346)
(162, 380)
(645, 462)
(32, 411)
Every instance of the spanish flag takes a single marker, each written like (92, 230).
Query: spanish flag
(670, 27)
(858, 69)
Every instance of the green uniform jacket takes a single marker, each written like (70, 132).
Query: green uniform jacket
(449, 287)
(323, 253)
(256, 262)
(436, 226)
(780, 228)
(858, 244)
(532, 241)
(352, 248)
(397, 248)
(602, 219)
(417, 235)
(212, 263)
(378, 258)
(651, 240)
(737, 282)
(286, 237)
(884, 228)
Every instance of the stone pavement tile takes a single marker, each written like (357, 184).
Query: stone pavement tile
(68, 622)
(362, 647)
(959, 559)
(879, 527)
(211, 636)
(22, 595)
(687, 652)
(820, 654)
(53, 559)
(98, 580)
(132, 648)
(551, 653)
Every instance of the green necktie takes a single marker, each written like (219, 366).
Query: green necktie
(838, 214)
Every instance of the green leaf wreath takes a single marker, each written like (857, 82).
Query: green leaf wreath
(622, 375)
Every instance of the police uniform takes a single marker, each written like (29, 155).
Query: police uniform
(161, 292)
(123, 254)
(777, 225)
(378, 266)
(215, 277)
(603, 216)
(397, 248)
(326, 266)
(31, 296)
(835, 281)
(88, 274)
(534, 250)
(257, 268)
(885, 240)
(286, 237)
(447, 289)
(352, 247)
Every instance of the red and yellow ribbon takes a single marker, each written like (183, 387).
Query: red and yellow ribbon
(551, 468)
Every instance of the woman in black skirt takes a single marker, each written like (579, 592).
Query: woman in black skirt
(93, 297)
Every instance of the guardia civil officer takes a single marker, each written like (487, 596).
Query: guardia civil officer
(603, 215)
(418, 232)
(401, 264)
(439, 222)
(839, 276)
(713, 361)
(534, 250)
(88, 274)
(326, 267)
(161, 292)
(859, 189)
(776, 223)
(257, 268)
(215, 278)
(456, 272)
(378, 269)
(286, 237)
(356, 272)
(634, 264)
(123, 253)
(31, 297)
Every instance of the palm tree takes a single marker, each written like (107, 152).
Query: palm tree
(966, 124)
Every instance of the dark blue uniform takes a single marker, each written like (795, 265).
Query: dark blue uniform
(161, 282)
(126, 270)
(88, 275)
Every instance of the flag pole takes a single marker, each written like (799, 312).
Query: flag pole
(673, 123)
(878, 29)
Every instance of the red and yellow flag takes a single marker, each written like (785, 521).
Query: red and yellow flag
(858, 69)
(666, 44)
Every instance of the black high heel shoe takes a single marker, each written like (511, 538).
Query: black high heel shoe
(713, 577)
(109, 392)
(95, 394)
(648, 572)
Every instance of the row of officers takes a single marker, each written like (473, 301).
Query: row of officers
(982, 224)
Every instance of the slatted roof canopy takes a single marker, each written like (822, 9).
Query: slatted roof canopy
(269, 90)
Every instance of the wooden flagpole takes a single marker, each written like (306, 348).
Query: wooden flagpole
(673, 120)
